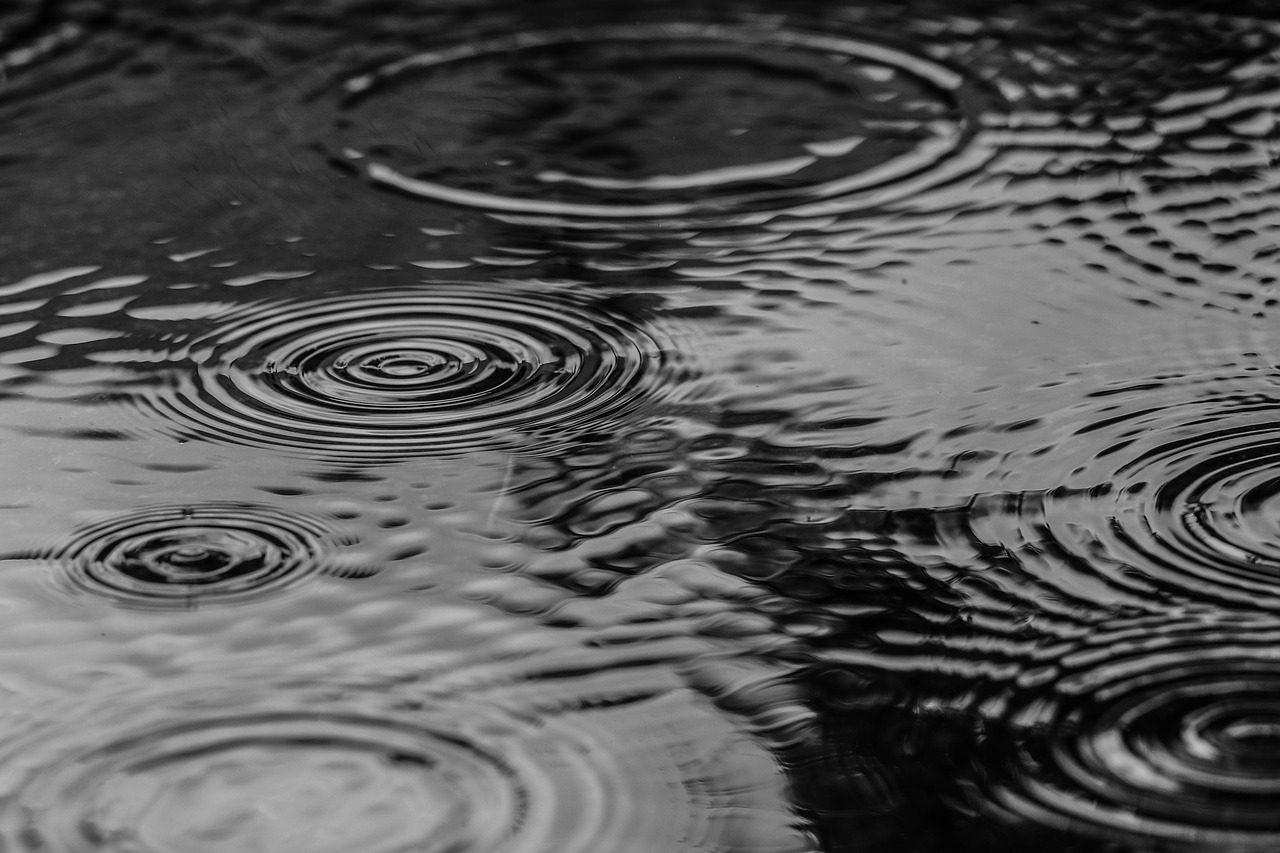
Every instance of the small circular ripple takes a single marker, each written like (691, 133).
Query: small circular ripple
(279, 766)
(1153, 731)
(178, 556)
(438, 370)
(684, 123)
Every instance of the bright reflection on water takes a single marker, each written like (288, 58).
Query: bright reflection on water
(728, 425)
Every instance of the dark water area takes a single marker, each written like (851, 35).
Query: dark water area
(635, 426)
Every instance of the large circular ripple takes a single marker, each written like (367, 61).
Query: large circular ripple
(674, 123)
(281, 783)
(1189, 513)
(439, 370)
(188, 555)
(1165, 731)
(328, 771)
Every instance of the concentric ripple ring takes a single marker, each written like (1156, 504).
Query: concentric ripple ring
(438, 370)
(279, 782)
(287, 763)
(185, 555)
(1153, 731)
(1192, 517)
(876, 123)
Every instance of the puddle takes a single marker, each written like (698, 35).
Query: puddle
(497, 428)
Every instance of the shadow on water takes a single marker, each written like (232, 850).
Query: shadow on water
(480, 426)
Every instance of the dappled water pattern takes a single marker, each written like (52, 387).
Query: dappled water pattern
(728, 425)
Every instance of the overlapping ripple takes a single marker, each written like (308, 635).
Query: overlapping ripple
(189, 555)
(279, 783)
(673, 124)
(439, 370)
(1180, 510)
(285, 766)
(1153, 732)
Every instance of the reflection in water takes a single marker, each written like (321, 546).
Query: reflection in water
(876, 450)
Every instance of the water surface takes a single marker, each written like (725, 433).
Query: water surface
(470, 426)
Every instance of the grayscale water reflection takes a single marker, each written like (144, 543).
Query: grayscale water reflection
(727, 425)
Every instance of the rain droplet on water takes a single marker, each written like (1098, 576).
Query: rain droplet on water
(878, 443)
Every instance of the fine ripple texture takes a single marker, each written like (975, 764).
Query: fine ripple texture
(44, 43)
(588, 126)
(444, 369)
(189, 555)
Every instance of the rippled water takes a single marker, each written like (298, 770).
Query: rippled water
(732, 425)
